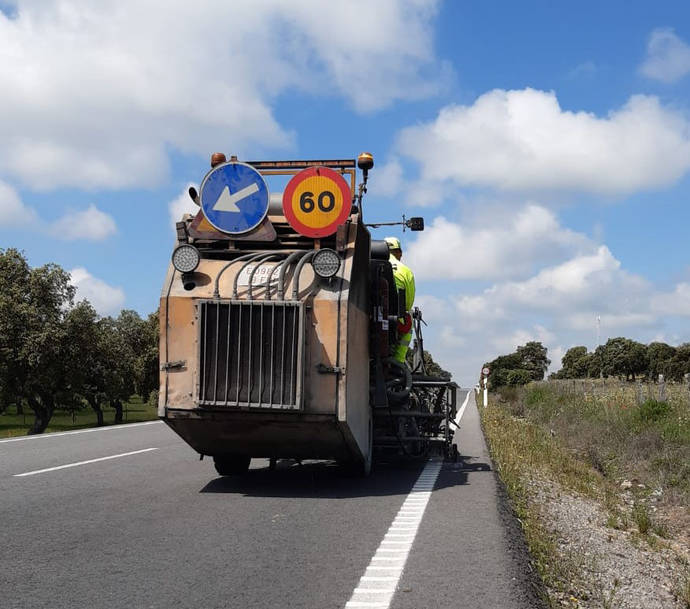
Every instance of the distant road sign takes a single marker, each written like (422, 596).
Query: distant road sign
(234, 197)
(485, 371)
(316, 201)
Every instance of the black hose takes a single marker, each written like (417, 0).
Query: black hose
(281, 278)
(298, 269)
(256, 268)
(216, 292)
(254, 258)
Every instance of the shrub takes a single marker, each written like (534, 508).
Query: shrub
(651, 411)
(518, 377)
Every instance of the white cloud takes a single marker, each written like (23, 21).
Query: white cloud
(180, 205)
(674, 303)
(668, 57)
(523, 140)
(507, 343)
(96, 94)
(104, 298)
(498, 244)
(592, 283)
(91, 224)
(13, 212)
(389, 179)
(557, 306)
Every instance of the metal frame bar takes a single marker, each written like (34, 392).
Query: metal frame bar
(279, 168)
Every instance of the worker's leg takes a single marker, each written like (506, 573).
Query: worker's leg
(400, 351)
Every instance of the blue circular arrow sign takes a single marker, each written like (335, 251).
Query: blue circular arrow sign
(234, 197)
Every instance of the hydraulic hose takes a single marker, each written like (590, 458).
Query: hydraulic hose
(252, 258)
(281, 278)
(256, 268)
(216, 292)
(406, 374)
(298, 269)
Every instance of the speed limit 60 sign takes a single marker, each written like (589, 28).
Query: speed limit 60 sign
(316, 201)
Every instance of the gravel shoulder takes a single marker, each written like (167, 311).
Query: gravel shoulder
(595, 540)
(613, 567)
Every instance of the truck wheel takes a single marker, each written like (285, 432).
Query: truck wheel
(229, 465)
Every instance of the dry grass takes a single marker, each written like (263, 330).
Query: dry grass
(604, 426)
(518, 446)
(598, 441)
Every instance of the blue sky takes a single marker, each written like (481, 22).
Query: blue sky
(547, 146)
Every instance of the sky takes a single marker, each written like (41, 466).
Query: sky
(547, 146)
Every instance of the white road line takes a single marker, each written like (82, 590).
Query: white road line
(52, 469)
(458, 416)
(43, 436)
(402, 526)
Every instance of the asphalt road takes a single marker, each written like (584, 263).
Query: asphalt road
(157, 528)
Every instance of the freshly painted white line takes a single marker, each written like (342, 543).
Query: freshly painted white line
(71, 433)
(389, 542)
(458, 416)
(404, 527)
(52, 469)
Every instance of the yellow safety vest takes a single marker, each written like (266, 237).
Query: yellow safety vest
(404, 278)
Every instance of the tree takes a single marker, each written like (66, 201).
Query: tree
(45, 354)
(90, 362)
(679, 365)
(659, 356)
(518, 377)
(142, 338)
(533, 359)
(120, 371)
(624, 357)
(431, 367)
(14, 311)
(528, 363)
(147, 365)
(571, 362)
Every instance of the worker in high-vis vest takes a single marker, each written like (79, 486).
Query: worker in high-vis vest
(404, 278)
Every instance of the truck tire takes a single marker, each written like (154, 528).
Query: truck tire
(231, 465)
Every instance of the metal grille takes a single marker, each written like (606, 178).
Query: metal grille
(250, 353)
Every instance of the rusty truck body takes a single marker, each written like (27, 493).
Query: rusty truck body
(277, 342)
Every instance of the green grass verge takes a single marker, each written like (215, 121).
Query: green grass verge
(135, 410)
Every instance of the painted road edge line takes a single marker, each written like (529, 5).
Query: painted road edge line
(71, 433)
(377, 586)
(461, 412)
(52, 469)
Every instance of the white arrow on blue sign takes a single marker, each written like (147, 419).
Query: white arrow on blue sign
(234, 197)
